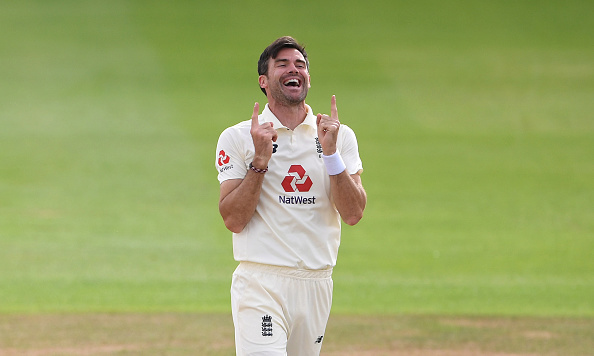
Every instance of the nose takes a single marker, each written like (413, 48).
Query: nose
(293, 68)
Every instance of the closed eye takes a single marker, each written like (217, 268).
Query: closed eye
(281, 62)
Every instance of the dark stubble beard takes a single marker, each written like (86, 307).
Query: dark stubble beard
(278, 94)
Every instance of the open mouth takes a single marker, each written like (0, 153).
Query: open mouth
(293, 82)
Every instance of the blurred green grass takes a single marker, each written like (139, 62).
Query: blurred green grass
(474, 122)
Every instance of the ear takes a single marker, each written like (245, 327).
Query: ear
(263, 80)
(308, 81)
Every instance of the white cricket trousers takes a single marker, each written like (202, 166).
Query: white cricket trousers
(280, 311)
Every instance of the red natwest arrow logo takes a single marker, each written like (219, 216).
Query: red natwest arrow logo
(297, 180)
(223, 158)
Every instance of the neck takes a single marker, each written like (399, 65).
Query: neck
(289, 115)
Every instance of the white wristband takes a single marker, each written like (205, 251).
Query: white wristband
(334, 164)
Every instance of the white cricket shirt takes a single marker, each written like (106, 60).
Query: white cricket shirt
(295, 223)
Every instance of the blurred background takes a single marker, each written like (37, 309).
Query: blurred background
(474, 119)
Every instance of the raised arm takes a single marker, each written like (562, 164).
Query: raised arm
(239, 197)
(347, 190)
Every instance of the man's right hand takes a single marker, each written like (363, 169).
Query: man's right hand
(263, 135)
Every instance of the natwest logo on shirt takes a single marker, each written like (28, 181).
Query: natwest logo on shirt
(223, 158)
(223, 161)
(297, 180)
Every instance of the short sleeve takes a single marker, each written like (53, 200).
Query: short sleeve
(230, 158)
(349, 150)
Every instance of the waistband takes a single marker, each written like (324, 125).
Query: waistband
(286, 271)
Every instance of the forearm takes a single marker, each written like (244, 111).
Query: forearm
(239, 200)
(349, 196)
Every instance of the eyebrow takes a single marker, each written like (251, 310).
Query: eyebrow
(286, 60)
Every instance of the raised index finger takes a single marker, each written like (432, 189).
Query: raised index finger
(333, 110)
(255, 122)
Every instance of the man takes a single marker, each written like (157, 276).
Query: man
(287, 178)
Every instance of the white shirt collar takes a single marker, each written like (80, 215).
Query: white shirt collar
(268, 116)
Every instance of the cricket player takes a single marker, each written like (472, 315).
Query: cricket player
(287, 178)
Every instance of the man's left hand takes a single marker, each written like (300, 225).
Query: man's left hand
(328, 127)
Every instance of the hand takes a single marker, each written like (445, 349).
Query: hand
(328, 127)
(262, 136)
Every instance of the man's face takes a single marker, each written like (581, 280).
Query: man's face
(287, 80)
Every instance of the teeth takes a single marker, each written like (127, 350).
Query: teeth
(292, 81)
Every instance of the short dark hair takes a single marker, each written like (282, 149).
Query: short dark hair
(272, 51)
